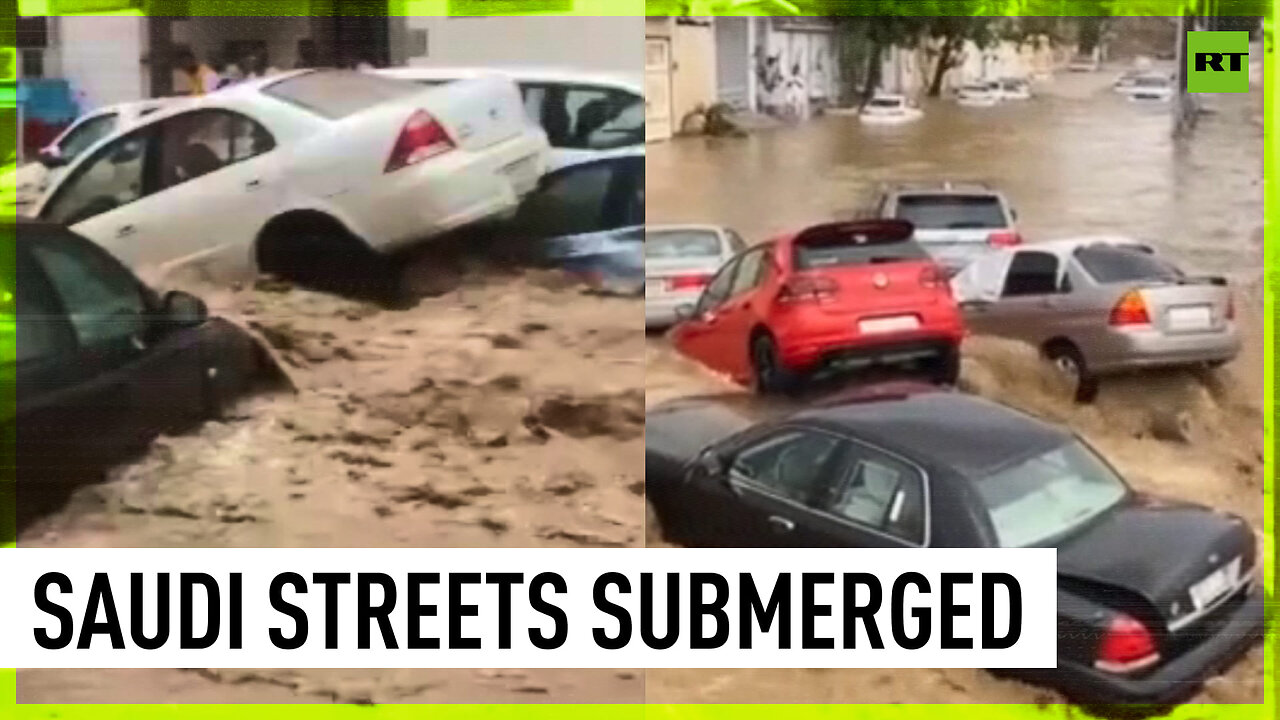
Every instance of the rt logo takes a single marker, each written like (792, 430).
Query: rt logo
(1217, 62)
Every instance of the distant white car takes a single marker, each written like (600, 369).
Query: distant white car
(585, 114)
(1012, 88)
(32, 179)
(978, 94)
(679, 261)
(302, 169)
(1155, 88)
(889, 109)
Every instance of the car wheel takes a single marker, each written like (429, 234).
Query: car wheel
(768, 376)
(947, 369)
(325, 256)
(1068, 360)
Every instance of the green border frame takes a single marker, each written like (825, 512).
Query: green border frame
(749, 712)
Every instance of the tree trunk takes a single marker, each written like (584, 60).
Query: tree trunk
(873, 74)
(940, 71)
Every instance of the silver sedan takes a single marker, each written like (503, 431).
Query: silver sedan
(1097, 306)
(679, 260)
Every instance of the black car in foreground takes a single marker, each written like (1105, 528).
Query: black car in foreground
(97, 363)
(1153, 596)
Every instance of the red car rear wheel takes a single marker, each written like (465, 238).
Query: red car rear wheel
(768, 375)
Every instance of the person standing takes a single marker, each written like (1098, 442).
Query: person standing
(201, 79)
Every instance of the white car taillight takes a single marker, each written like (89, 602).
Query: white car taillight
(421, 138)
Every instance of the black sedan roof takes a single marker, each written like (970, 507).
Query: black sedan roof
(970, 435)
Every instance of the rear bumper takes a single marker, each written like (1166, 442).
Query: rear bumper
(1128, 350)
(1175, 680)
(661, 311)
(852, 352)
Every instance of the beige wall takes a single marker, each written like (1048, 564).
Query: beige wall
(603, 44)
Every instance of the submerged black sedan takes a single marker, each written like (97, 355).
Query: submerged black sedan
(1153, 596)
(96, 364)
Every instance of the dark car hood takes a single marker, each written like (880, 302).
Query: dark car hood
(1157, 550)
(680, 429)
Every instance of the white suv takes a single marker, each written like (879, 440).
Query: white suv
(954, 222)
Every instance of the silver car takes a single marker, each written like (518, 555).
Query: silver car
(679, 260)
(1096, 306)
(955, 222)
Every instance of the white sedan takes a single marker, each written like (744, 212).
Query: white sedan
(302, 170)
(679, 261)
(31, 180)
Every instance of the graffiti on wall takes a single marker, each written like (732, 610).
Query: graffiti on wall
(793, 72)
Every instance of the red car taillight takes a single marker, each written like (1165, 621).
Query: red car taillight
(687, 282)
(421, 138)
(1127, 646)
(1130, 310)
(1004, 239)
(934, 277)
(808, 289)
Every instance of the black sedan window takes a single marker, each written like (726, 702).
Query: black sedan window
(1049, 495)
(103, 300)
(885, 495)
(789, 464)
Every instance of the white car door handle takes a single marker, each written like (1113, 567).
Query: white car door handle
(253, 184)
(126, 231)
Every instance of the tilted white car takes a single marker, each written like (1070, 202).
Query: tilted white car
(303, 169)
(585, 114)
(33, 178)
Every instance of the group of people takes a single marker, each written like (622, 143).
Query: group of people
(202, 78)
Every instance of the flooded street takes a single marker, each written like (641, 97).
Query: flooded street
(505, 411)
(1077, 159)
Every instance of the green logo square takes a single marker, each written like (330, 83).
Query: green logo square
(1217, 62)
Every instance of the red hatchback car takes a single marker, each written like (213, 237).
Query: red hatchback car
(831, 298)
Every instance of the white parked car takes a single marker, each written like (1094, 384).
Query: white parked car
(584, 114)
(298, 170)
(978, 94)
(679, 261)
(954, 222)
(32, 179)
(1157, 88)
(889, 110)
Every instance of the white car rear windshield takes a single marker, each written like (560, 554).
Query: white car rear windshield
(336, 94)
(952, 212)
(1049, 495)
(885, 103)
(680, 244)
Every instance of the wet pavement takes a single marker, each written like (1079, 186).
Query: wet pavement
(1076, 159)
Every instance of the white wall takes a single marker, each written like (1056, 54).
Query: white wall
(801, 68)
(605, 44)
(101, 57)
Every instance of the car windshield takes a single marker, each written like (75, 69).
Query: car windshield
(1108, 264)
(813, 256)
(1151, 82)
(1049, 495)
(336, 94)
(885, 103)
(681, 244)
(952, 212)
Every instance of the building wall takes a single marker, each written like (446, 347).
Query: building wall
(605, 44)
(206, 36)
(101, 56)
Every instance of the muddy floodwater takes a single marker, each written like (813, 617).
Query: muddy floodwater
(504, 410)
(1076, 159)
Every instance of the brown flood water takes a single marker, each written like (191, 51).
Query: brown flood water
(1077, 159)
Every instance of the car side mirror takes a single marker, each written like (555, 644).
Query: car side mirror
(712, 464)
(684, 312)
(51, 158)
(184, 309)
